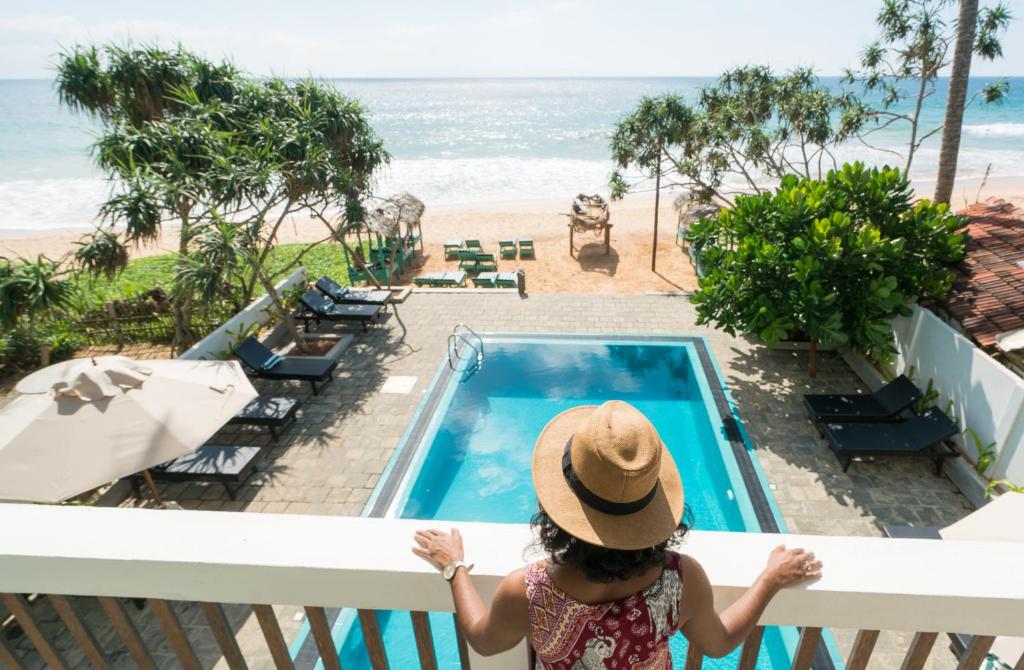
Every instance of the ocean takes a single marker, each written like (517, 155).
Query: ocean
(453, 141)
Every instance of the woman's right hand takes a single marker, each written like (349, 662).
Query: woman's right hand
(790, 566)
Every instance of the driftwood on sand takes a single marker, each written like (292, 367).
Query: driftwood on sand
(589, 214)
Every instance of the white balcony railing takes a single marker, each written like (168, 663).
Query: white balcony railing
(869, 584)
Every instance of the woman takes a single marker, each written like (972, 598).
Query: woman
(611, 501)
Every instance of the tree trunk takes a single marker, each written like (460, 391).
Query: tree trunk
(283, 313)
(813, 367)
(958, 78)
(181, 308)
(657, 206)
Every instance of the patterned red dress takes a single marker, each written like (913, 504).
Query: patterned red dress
(627, 634)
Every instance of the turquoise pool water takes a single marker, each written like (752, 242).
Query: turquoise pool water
(471, 458)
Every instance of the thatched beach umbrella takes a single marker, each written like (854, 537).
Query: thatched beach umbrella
(398, 219)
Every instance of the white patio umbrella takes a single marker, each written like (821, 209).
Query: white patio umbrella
(86, 422)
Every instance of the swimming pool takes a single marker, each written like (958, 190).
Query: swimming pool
(466, 456)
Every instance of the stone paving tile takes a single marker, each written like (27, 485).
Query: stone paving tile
(329, 462)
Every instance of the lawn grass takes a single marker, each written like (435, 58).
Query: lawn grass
(144, 274)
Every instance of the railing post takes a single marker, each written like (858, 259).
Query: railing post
(976, 652)
(806, 648)
(863, 645)
(424, 641)
(751, 648)
(460, 639)
(22, 612)
(918, 652)
(90, 647)
(272, 634)
(225, 637)
(322, 637)
(127, 632)
(372, 638)
(168, 620)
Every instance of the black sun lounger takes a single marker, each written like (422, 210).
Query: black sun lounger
(318, 308)
(227, 465)
(266, 364)
(274, 412)
(921, 436)
(343, 295)
(885, 404)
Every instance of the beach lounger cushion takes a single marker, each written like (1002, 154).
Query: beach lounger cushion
(321, 308)
(266, 364)
(507, 279)
(343, 294)
(485, 280)
(885, 404)
(922, 436)
(274, 412)
(227, 465)
(428, 279)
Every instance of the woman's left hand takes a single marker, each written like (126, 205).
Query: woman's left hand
(439, 548)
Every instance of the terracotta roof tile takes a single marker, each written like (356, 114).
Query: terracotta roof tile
(987, 297)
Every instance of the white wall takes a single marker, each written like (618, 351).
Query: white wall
(987, 396)
(221, 340)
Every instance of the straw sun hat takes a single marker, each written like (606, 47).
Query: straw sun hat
(604, 476)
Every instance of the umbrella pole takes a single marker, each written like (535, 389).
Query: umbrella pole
(152, 487)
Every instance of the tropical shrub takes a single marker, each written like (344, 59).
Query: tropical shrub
(829, 261)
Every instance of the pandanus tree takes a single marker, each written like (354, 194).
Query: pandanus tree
(226, 159)
(749, 129)
(160, 153)
(904, 64)
(31, 288)
(301, 149)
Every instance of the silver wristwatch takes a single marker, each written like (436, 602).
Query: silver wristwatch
(449, 570)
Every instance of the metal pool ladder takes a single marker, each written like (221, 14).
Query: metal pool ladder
(472, 348)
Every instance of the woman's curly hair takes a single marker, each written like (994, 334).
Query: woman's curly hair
(600, 564)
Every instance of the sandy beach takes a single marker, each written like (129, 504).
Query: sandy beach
(626, 269)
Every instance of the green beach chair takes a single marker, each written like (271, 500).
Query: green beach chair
(507, 249)
(429, 279)
(486, 263)
(453, 279)
(467, 260)
(474, 245)
(451, 249)
(485, 280)
(507, 280)
(526, 249)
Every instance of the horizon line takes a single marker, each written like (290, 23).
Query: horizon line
(510, 77)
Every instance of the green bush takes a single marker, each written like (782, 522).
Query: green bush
(20, 346)
(828, 261)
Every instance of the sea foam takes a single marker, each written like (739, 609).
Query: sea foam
(995, 129)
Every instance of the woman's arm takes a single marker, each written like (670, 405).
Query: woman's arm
(717, 635)
(491, 631)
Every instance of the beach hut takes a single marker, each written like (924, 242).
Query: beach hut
(589, 214)
(391, 231)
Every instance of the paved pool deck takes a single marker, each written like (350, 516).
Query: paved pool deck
(330, 461)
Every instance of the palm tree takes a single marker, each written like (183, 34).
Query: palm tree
(965, 29)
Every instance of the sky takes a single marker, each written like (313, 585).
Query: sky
(466, 38)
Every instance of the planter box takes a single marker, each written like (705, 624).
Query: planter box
(341, 343)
